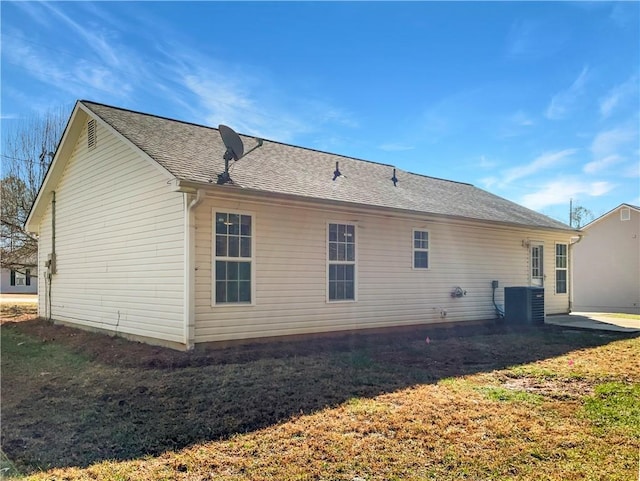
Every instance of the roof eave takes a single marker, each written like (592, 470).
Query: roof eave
(189, 186)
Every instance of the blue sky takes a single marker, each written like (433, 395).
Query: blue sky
(536, 102)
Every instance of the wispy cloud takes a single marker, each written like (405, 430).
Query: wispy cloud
(516, 124)
(102, 63)
(604, 163)
(564, 101)
(559, 191)
(620, 95)
(529, 39)
(545, 161)
(611, 142)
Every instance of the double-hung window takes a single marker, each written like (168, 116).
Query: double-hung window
(561, 268)
(420, 249)
(342, 262)
(233, 258)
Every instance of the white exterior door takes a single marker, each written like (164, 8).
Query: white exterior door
(536, 264)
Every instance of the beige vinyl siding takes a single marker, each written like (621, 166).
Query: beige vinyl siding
(119, 243)
(606, 268)
(291, 271)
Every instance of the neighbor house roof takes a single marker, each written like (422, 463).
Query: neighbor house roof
(607, 214)
(194, 154)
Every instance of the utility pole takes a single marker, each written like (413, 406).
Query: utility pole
(570, 212)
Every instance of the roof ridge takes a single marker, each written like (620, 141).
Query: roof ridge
(310, 149)
(162, 117)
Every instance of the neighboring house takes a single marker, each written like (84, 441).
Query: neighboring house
(141, 240)
(606, 263)
(20, 280)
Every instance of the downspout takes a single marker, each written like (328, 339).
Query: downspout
(190, 266)
(570, 260)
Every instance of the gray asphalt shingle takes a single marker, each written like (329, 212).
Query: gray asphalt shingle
(194, 153)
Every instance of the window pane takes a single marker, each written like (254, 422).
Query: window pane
(221, 219)
(342, 252)
(245, 225)
(341, 233)
(245, 247)
(244, 271)
(332, 291)
(339, 290)
(333, 232)
(221, 291)
(421, 259)
(232, 291)
(232, 271)
(234, 221)
(340, 272)
(234, 246)
(221, 245)
(350, 233)
(244, 294)
(349, 290)
(349, 273)
(221, 270)
(333, 272)
(351, 252)
(561, 282)
(333, 251)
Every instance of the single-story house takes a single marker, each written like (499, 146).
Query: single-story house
(21, 277)
(606, 263)
(141, 235)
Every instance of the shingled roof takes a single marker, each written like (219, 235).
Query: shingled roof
(194, 153)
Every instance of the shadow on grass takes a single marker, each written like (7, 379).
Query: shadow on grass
(73, 398)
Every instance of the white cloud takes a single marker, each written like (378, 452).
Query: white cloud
(610, 142)
(522, 119)
(544, 161)
(601, 164)
(619, 95)
(558, 192)
(564, 101)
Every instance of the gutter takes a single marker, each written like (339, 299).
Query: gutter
(191, 203)
(231, 191)
(571, 244)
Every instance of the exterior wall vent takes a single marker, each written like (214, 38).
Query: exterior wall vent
(91, 134)
(625, 213)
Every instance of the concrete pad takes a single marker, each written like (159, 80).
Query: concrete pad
(594, 320)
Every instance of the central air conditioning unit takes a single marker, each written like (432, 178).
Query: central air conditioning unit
(524, 305)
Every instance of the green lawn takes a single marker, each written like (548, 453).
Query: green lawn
(480, 403)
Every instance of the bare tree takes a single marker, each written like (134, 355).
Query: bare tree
(580, 216)
(28, 146)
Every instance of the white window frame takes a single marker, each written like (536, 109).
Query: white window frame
(415, 249)
(214, 258)
(344, 262)
(565, 269)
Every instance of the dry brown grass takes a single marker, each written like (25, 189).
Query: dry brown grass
(475, 403)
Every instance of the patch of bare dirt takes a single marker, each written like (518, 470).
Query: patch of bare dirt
(561, 389)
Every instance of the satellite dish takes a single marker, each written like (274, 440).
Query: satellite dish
(235, 150)
(232, 141)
